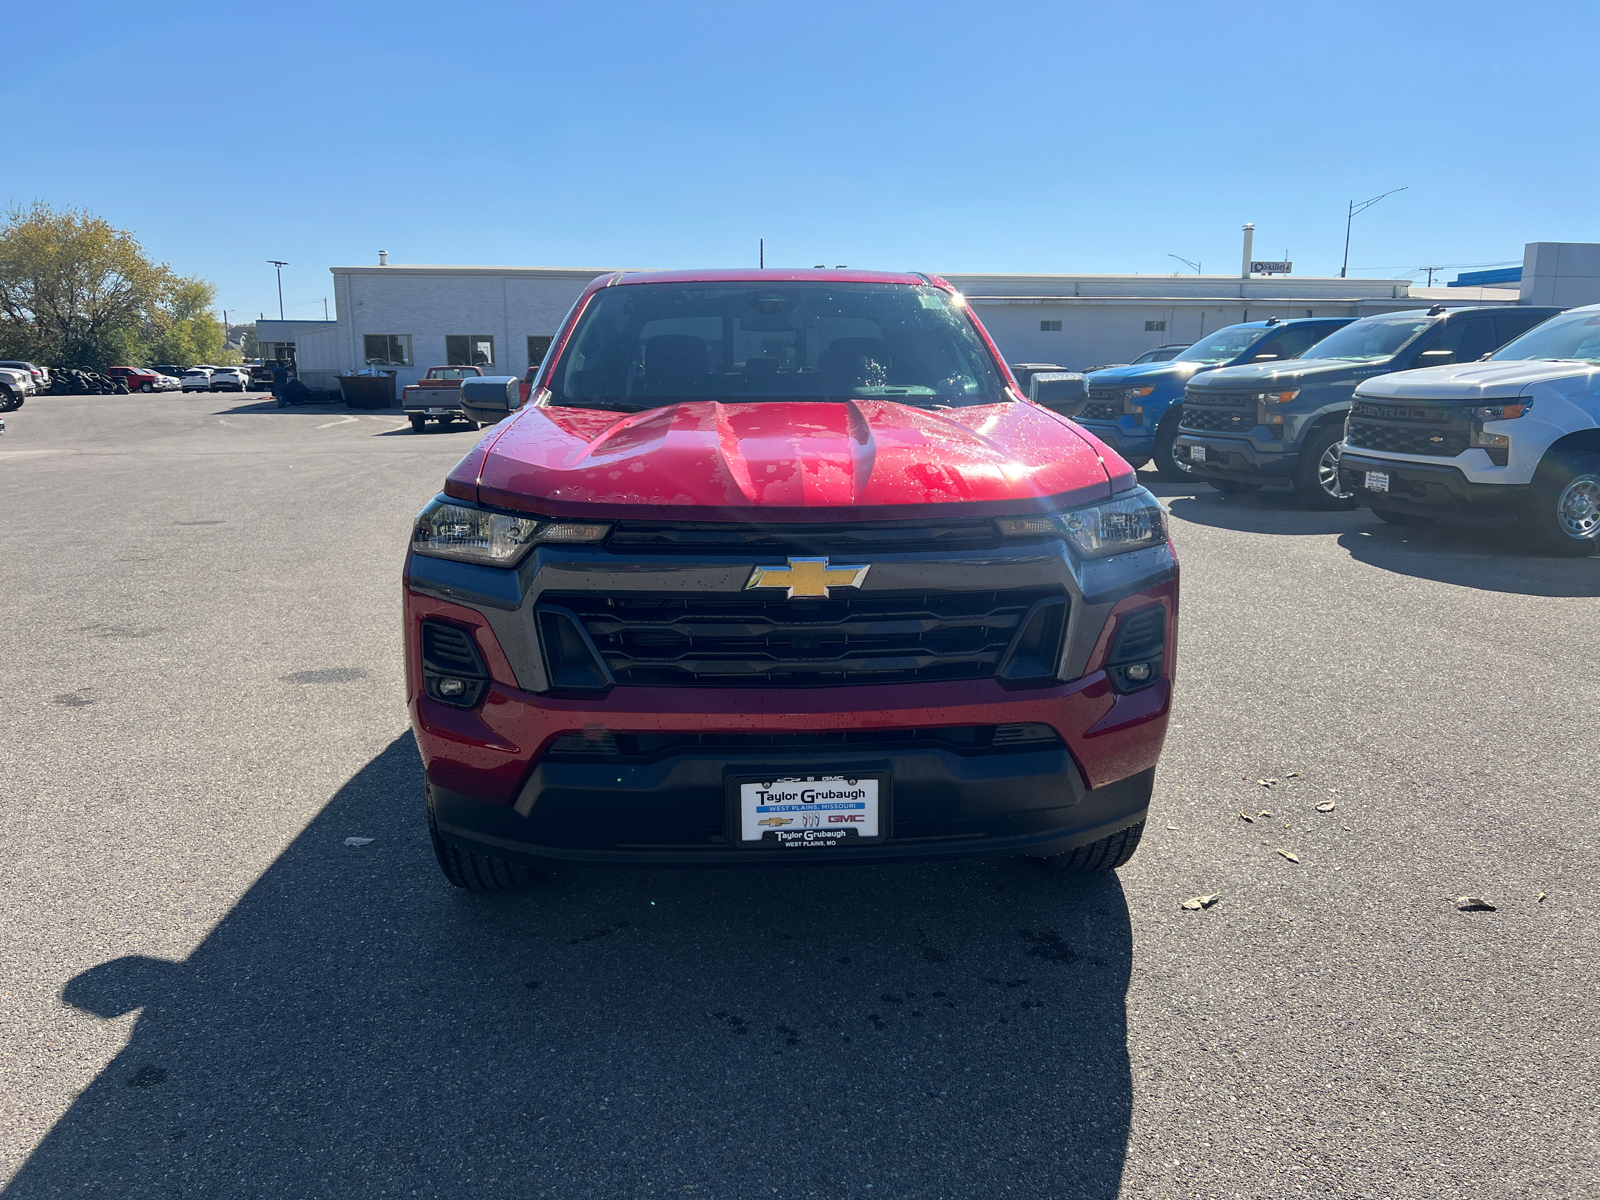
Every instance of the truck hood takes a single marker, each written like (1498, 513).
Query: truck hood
(1294, 372)
(1171, 371)
(788, 461)
(1475, 381)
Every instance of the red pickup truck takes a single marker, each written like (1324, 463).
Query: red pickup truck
(780, 566)
(135, 379)
(437, 397)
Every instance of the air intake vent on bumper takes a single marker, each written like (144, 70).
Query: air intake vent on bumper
(570, 658)
(1140, 652)
(1032, 658)
(452, 671)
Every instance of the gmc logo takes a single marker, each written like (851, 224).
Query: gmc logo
(845, 818)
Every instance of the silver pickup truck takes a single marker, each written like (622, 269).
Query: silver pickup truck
(437, 397)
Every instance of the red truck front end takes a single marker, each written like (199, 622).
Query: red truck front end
(777, 567)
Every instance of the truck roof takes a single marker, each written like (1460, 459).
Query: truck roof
(770, 275)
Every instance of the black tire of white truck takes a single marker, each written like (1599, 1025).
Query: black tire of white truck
(1561, 513)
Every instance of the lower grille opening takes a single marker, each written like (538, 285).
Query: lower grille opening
(607, 745)
(452, 670)
(1139, 653)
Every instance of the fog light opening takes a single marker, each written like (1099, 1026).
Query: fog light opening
(1138, 672)
(452, 687)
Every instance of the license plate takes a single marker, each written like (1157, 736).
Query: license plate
(809, 812)
(1377, 481)
(1197, 454)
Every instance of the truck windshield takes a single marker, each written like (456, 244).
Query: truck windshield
(640, 346)
(1224, 345)
(1571, 336)
(1369, 339)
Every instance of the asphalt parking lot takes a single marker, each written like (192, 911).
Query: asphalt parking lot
(208, 994)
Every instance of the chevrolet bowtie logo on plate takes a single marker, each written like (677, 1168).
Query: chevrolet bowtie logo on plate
(807, 577)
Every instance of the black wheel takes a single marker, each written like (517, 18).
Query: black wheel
(1562, 515)
(1233, 487)
(1107, 854)
(1168, 465)
(477, 872)
(1316, 474)
(1395, 517)
(8, 400)
(418, 424)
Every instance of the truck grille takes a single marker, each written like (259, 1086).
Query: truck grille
(1432, 430)
(1236, 420)
(648, 747)
(1105, 404)
(673, 640)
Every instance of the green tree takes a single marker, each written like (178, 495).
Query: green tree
(76, 291)
(184, 331)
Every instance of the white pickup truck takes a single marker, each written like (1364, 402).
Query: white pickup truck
(1515, 436)
(437, 397)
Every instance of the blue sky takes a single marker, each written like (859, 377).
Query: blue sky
(931, 136)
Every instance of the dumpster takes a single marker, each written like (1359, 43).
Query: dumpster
(367, 391)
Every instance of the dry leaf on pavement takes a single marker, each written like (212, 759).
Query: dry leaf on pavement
(354, 841)
(1244, 816)
(1474, 904)
(1195, 902)
(1325, 806)
(1289, 854)
(1267, 782)
(1541, 898)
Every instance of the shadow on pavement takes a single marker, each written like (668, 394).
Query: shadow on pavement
(1275, 510)
(1491, 560)
(354, 1027)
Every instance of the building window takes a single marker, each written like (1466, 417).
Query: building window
(538, 347)
(388, 349)
(469, 350)
(1155, 326)
(1049, 326)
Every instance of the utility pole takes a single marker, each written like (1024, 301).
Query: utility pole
(324, 308)
(1430, 271)
(280, 264)
(763, 253)
(1194, 265)
(1350, 215)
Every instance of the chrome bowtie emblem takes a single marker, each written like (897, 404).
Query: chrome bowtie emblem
(807, 577)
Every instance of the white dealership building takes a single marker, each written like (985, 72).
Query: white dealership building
(405, 318)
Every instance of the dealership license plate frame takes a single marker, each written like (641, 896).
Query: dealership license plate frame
(1197, 454)
(1376, 481)
(769, 840)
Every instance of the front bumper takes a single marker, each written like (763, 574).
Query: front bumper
(1135, 445)
(500, 785)
(1233, 458)
(1428, 489)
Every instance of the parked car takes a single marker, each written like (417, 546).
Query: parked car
(168, 383)
(16, 385)
(135, 379)
(1134, 409)
(1243, 427)
(196, 379)
(1161, 354)
(1514, 437)
(169, 369)
(437, 396)
(39, 375)
(230, 379)
(716, 594)
(261, 377)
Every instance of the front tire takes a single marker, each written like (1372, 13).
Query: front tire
(1233, 487)
(1316, 474)
(1562, 515)
(149, 387)
(478, 872)
(1166, 459)
(1107, 854)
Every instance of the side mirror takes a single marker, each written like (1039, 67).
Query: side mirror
(490, 397)
(1060, 391)
(1436, 358)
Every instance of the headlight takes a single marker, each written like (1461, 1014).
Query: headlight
(1133, 522)
(445, 529)
(1276, 397)
(1501, 412)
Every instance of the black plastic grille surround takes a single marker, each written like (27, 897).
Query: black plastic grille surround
(745, 640)
(1406, 439)
(645, 747)
(1235, 420)
(1101, 407)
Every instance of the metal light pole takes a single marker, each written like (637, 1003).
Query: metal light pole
(1186, 262)
(280, 264)
(1350, 216)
